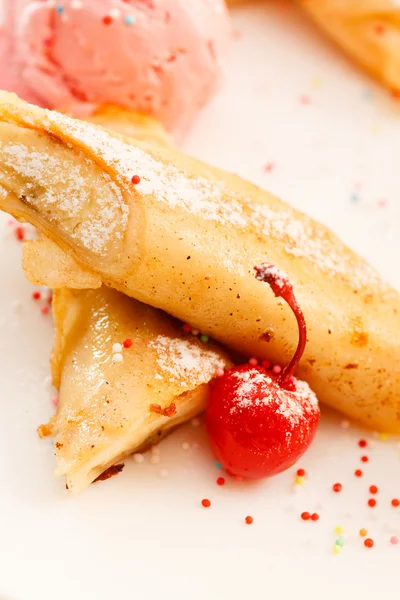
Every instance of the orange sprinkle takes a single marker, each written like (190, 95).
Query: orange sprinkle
(368, 543)
(205, 502)
(220, 481)
(249, 520)
(373, 489)
(363, 532)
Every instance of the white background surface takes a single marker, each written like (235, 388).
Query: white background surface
(144, 536)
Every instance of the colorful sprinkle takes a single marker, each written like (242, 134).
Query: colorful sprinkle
(44, 310)
(337, 487)
(358, 473)
(218, 465)
(276, 369)
(127, 343)
(220, 481)
(249, 520)
(115, 13)
(266, 364)
(373, 489)
(337, 549)
(305, 516)
(55, 400)
(383, 436)
(220, 372)
(314, 517)
(253, 362)
(59, 8)
(206, 503)
(372, 502)
(339, 529)
(19, 234)
(344, 424)
(36, 295)
(368, 543)
(138, 458)
(363, 532)
(339, 542)
(269, 167)
(394, 540)
(300, 472)
(395, 502)
(107, 20)
(135, 179)
(204, 338)
(117, 347)
(118, 358)
(299, 480)
(129, 20)
(364, 459)
(362, 443)
(186, 328)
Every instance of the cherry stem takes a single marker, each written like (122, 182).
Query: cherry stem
(288, 371)
(283, 288)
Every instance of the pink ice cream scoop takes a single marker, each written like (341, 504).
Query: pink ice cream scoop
(160, 57)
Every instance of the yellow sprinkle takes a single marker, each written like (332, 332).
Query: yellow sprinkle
(363, 532)
(339, 529)
(337, 549)
(315, 83)
(383, 436)
(299, 480)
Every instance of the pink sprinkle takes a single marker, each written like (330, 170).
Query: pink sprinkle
(253, 362)
(382, 203)
(44, 310)
(276, 369)
(269, 167)
(305, 99)
(394, 540)
(10, 222)
(220, 372)
(266, 364)
(54, 400)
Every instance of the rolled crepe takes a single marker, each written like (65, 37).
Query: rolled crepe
(112, 401)
(368, 30)
(186, 238)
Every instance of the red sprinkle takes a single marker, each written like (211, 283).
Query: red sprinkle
(315, 517)
(186, 328)
(19, 234)
(364, 458)
(373, 489)
(362, 443)
(206, 503)
(266, 364)
(368, 543)
(268, 167)
(395, 502)
(220, 481)
(372, 502)
(107, 20)
(305, 516)
(249, 520)
(337, 487)
(36, 295)
(50, 300)
(135, 179)
(358, 472)
(300, 472)
(44, 310)
(127, 343)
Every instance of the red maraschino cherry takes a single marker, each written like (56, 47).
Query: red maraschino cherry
(260, 423)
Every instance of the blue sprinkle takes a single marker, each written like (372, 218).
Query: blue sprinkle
(129, 20)
(354, 197)
(218, 465)
(59, 8)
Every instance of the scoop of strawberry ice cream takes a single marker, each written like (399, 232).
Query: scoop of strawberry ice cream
(160, 57)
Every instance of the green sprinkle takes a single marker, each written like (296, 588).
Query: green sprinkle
(204, 338)
(339, 542)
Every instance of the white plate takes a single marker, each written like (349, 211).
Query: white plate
(144, 534)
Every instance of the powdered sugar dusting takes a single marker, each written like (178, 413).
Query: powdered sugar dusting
(182, 359)
(61, 191)
(254, 389)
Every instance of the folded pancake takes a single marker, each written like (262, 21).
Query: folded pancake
(185, 239)
(114, 401)
(368, 30)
